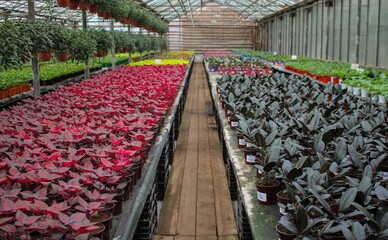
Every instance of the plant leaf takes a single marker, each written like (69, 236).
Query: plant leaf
(347, 198)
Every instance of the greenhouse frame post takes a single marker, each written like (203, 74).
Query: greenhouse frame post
(113, 50)
(129, 52)
(358, 27)
(85, 29)
(35, 65)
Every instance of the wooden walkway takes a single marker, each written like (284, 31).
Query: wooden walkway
(197, 204)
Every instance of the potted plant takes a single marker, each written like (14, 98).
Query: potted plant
(61, 42)
(82, 46)
(267, 186)
(104, 41)
(14, 44)
(41, 36)
(73, 4)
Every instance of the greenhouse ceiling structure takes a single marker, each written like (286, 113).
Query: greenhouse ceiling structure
(168, 10)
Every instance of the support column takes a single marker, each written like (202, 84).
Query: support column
(129, 52)
(35, 65)
(85, 29)
(358, 26)
(113, 50)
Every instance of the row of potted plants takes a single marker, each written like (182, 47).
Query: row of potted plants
(185, 55)
(126, 12)
(372, 80)
(320, 153)
(21, 78)
(234, 64)
(47, 37)
(162, 62)
(69, 159)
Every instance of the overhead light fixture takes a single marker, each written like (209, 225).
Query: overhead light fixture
(224, 7)
(217, 15)
(213, 21)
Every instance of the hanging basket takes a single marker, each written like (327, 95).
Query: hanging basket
(101, 53)
(62, 3)
(73, 4)
(93, 9)
(62, 56)
(83, 6)
(45, 56)
(100, 13)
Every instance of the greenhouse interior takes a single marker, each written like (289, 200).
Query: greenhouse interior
(193, 119)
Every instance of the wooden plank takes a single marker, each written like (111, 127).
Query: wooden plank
(169, 213)
(206, 237)
(206, 218)
(228, 237)
(226, 223)
(163, 237)
(187, 210)
(184, 237)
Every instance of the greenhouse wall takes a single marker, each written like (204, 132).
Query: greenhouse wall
(353, 31)
(226, 31)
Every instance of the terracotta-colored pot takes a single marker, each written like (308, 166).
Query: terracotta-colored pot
(101, 53)
(62, 3)
(83, 5)
(100, 13)
(93, 9)
(45, 56)
(73, 4)
(266, 195)
(62, 56)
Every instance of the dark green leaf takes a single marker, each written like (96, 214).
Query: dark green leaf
(301, 218)
(260, 140)
(347, 198)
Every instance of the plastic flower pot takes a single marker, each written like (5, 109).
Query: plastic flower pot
(99, 232)
(233, 122)
(83, 5)
(375, 98)
(108, 207)
(266, 193)
(62, 56)
(335, 80)
(240, 141)
(104, 218)
(93, 9)
(282, 197)
(350, 89)
(283, 233)
(364, 93)
(382, 99)
(250, 155)
(45, 56)
(356, 91)
(73, 4)
(119, 202)
(62, 3)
